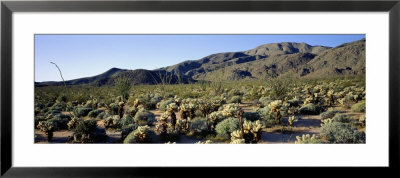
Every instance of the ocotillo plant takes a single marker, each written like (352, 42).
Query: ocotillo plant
(65, 85)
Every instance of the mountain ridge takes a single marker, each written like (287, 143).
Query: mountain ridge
(272, 60)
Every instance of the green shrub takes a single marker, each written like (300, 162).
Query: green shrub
(85, 127)
(61, 106)
(265, 101)
(341, 118)
(94, 113)
(113, 107)
(226, 127)
(266, 116)
(125, 130)
(49, 104)
(338, 132)
(329, 114)
(131, 111)
(61, 122)
(164, 104)
(310, 109)
(235, 99)
(143, 134)
(359, 107)
(144, 117)
(81, 111)
(199, 124)
(123, 85)
(126, 120)
(102, 115)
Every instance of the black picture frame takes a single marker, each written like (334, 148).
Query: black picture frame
(8, 7)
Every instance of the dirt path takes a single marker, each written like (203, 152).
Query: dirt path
(60, 136)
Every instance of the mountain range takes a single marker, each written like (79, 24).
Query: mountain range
(273, 60)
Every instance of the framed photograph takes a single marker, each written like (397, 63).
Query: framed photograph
(141, 88)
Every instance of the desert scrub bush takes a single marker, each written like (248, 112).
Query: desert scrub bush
(113, 108)
(144, 117)
(86, 131)
(339, 117)
(60, 106)
(264, 101)
(310, 109)
(278, 89)
(359, 107)
(131, 111)
(122, 86)
(85, 126)
(143, 134)
(125, 130)
(226, 127)
(199, 124)
(235, 99)
(81, 111)
(60, 122)
(329, 114)
(102, 115)
(338, 132)
(163, 105)
(125, 121)
(266, 116)
(307, 139)
(94, 113)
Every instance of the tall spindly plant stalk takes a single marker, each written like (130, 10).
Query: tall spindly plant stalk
(65, 85)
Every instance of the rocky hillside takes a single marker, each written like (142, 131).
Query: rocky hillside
(272, 60)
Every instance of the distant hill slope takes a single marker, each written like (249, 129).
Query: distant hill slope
(137, 77)
(274, 60)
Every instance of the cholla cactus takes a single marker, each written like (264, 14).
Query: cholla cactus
(230, 110)
(292, 119)
(214, 118)
(238, 141)
(204, 142)
(275, 107)
(307, 139)
(256, 127)
(164, 116)
(172, 107)
(72, 123)
(141, 132)
(362, 120)
(47, 127)
(247, 126)
(251, 131)
(331, 99)
(341, 101)
(326, 121)
(177, 99)
(237, 137)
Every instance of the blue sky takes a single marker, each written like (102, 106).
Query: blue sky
(88, 55)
